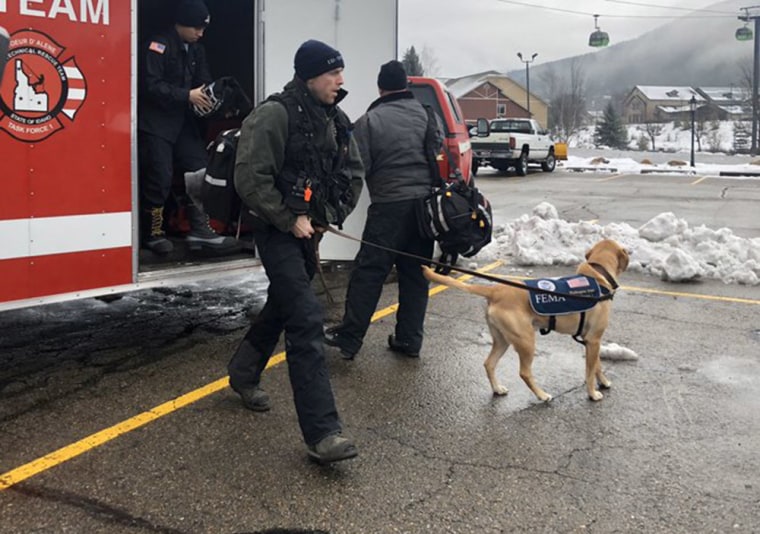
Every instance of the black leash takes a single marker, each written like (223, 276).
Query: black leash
(429, 261)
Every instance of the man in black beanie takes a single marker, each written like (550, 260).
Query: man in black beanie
(393, 138)
(392, 77)
(173, 73)
(314, 58)
(192, 14)
(297, 170)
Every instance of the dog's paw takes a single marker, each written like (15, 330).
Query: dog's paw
(546, 397)
(596, 396)
(605, 384)
(500, 390)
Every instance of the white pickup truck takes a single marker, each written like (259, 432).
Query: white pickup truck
(515, 142)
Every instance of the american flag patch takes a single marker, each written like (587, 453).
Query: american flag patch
(155, 46)
(575, 283)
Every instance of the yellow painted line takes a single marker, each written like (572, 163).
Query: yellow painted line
(55, 458)
(592, 221)
(695, 182)
(690, 295)
(99, 438)
(613, 177)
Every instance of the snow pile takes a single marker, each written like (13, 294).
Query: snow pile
(618, 353)
(665, 246)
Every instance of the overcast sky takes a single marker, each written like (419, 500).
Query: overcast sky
(468, 36)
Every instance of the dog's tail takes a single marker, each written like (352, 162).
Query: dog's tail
(483, 291)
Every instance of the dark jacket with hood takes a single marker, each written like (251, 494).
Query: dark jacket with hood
(261, 157)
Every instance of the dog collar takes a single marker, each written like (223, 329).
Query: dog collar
(607, 276)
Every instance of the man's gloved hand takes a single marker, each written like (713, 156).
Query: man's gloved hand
(302, 228)
(446, 261)
(199, 99)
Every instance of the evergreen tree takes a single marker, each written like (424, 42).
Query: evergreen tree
(610, 131)
(412, 62)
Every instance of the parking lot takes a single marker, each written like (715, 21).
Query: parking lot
(115, 417)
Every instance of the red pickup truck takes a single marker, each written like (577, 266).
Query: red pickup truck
(433, 93)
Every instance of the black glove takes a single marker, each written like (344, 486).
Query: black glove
(446, 261)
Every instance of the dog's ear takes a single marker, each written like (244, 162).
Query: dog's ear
(590, 251)
(623, 259)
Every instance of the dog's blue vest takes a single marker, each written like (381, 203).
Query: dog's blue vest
(548, 304)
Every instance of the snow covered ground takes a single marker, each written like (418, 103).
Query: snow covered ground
(715, 137)
(678, 163)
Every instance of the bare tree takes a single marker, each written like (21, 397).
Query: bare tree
(701, 127)
(567, 109)
(429, 62)
(551, 80)
(653, 129)
(745, 74)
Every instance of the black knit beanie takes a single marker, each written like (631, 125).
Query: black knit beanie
(392, 76)
(314, 58)
(192, 13)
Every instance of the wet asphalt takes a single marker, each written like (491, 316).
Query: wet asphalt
(671, 448)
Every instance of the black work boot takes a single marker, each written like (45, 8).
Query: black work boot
(254, 398)
(202, 236)
(152, 236)
(333, 448)
(401, 347)
(332, 339)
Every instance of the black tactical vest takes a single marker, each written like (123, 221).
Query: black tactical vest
(315, 178)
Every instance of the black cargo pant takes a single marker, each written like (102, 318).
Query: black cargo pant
(292, 306)
(159, 158)
(392, 225)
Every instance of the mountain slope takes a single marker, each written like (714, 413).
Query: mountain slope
(698, 52)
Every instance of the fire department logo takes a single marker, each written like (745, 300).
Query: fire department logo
(39, 89)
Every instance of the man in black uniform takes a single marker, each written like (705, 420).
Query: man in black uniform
(297, 170)
(174, 72)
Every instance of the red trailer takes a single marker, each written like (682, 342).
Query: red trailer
(68, 111)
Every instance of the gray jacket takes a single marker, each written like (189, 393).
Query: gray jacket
(391, 139)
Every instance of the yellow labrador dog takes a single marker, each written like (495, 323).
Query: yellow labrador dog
(513, 321)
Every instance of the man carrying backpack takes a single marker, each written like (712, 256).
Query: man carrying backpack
(392, 141)
(297, 170)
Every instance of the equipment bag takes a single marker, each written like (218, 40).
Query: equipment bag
(459, 217)
(220, 199)
(456, 214)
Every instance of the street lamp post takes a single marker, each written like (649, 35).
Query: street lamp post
(527, 76)
(693, 108)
